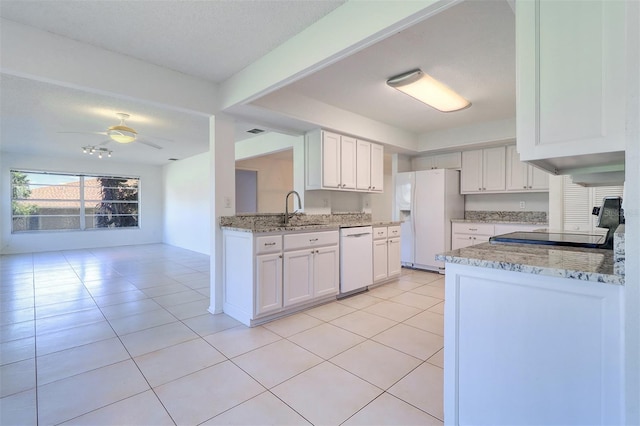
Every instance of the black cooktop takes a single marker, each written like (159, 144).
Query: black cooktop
(551, 239)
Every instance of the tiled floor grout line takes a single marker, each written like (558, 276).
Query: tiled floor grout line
(202, 337)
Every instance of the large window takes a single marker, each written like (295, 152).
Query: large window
(51, 201)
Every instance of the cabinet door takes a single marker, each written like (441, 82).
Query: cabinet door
(298, 276)
(327, 271)
(461, 241)
(347, 162)
(517, 171)
(471, 173)
(393, 257)
(377, 167)
(379, 260)
(330, 160)
(268, 283)
(493, 169)
(571, 78)
(363, 165)
(538, 179)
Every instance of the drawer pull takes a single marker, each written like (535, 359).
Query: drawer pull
(473, 229)
(269, 244)
(312, 240)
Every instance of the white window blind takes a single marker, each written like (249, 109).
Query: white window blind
(579, 202)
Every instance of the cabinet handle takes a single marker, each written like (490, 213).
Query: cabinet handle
(473, 229)
(311, 240)
(530, 187)
(470, 238)
(479, 189)
(269, 244)
(484, 189)
(525, 187)
(280, 256)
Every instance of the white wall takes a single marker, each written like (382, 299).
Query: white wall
(382, 204)
(151, 212)
(275, 180)
(187, 188)
(534, 202)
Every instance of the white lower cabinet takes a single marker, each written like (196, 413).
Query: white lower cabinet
(393, 257)
(266, 276)
(469, 234)
(268, 283)
(309, 274)
(380, 256)
(298, 277)
(386, 253)
(549, 348)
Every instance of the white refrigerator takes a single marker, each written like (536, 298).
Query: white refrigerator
(426, 201)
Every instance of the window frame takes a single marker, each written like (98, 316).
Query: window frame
(81, 200)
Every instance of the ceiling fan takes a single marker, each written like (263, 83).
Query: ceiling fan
(121, 133)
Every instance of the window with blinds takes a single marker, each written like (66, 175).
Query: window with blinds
(578, 203)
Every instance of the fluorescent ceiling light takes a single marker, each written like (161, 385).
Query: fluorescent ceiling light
(428, 90)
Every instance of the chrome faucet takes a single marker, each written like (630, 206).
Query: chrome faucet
(286, 205)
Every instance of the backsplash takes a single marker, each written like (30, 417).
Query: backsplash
(258, 220)
(498, 216)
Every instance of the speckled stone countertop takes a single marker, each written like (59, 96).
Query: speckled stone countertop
(508, 217)
(563, 262)
(619, 250)
(262, 223)
(507, 222)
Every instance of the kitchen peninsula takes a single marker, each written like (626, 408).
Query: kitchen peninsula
(272, 268)
(533, 334)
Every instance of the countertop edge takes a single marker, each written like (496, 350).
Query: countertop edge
(482, 256)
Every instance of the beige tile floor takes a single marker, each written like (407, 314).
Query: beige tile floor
(122, 336)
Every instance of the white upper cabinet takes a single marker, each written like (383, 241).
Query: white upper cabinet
(523, 177)
(363, 165)
(341, 162)
(483, 170)
(348, 147)
(451, 160)
(571, 84)
(377, 168)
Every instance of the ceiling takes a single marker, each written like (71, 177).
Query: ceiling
(470, 47)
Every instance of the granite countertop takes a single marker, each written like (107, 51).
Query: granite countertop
(504, 221)
(563, 262)
(270, 222)
(306, 227)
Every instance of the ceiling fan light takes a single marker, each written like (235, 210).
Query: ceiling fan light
(122, 134)
(428, 90)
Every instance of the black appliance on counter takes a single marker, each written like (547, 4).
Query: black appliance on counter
(610, 215)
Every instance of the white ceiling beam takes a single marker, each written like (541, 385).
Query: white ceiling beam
(39, 55)
(465, 137)
(348, 29)
(300, 107)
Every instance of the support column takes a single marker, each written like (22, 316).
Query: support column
(222, 197)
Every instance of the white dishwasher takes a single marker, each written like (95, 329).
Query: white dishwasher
(356, 259)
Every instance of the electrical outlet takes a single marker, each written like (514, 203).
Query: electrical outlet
(227, 202)
(522, 204)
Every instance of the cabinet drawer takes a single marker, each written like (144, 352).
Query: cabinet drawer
(393, 231)
(313, 239)
(270, 244)
(379, 233)
(473, 228)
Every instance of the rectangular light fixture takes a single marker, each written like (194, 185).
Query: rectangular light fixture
(428, 90)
